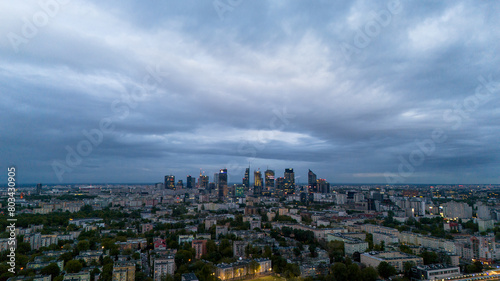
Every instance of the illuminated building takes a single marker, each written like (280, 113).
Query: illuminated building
(246, 179)
(269, 183)
(222, 184)
(169, 182)
(203, 182)
(280, 186)
(123, 271)
(239, 191)
(257, 186)
(323, 186)
(289, 182)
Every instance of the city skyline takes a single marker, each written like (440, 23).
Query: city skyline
(360, 92)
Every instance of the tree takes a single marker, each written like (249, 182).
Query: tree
(66, 257)
(430, 257)
(109, 244)
(107, 272)
(312, 249)
(268, 252)
(51, 269)
(407, 268)
(254, 267)
(23, 247)
(405, 249)
(205, 272)
(225, 248)
(479, 266)
(369, 239)
(94, 272)
(291, 270)
(140, 276)
(127, 252)
(73, 266)
(369, 274)
(296, 252)
(339, 270)
(353, 272)
(335, 250)
(83, 245)
(183, 257)
(386, 270)
(475, 267)
(107, 260)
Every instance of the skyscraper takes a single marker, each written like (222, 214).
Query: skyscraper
(269, 183)
(312, 182)
(239, 191)
(180, 185)
(257, 178)
(257, 185)
(39, 188)
(222, 184)
(280, 186)
(323, 186)
(203, 182)
(169, 182)
(246, 179)
(190, 182)
(289, 183)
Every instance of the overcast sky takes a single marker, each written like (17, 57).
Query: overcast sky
(357, 91)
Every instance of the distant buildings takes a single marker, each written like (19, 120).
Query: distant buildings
(289, 181)
(269, 183)
(200, 247)
(434, 272)
(323, 186)
(246, 178)
(222, 189)
(80, 276)
(239, 248)
(203, 182)
(396, 259)
(162, 267)
(312, 182)
(123, 271)
(351, 245)
(257, 186)
(179, 185)
(242, 268)
(169, 182)
(457, 210)
(484, 248)
(189, 277)
(190, 182)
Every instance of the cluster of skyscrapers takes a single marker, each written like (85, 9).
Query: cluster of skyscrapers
(266, 184)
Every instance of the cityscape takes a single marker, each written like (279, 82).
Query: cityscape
(265, 227)
(238, 140)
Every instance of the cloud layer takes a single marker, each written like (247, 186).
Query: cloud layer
(357, 91)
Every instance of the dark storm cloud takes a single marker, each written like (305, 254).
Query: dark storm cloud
(270, 84)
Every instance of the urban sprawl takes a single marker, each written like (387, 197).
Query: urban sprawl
(264, 227)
